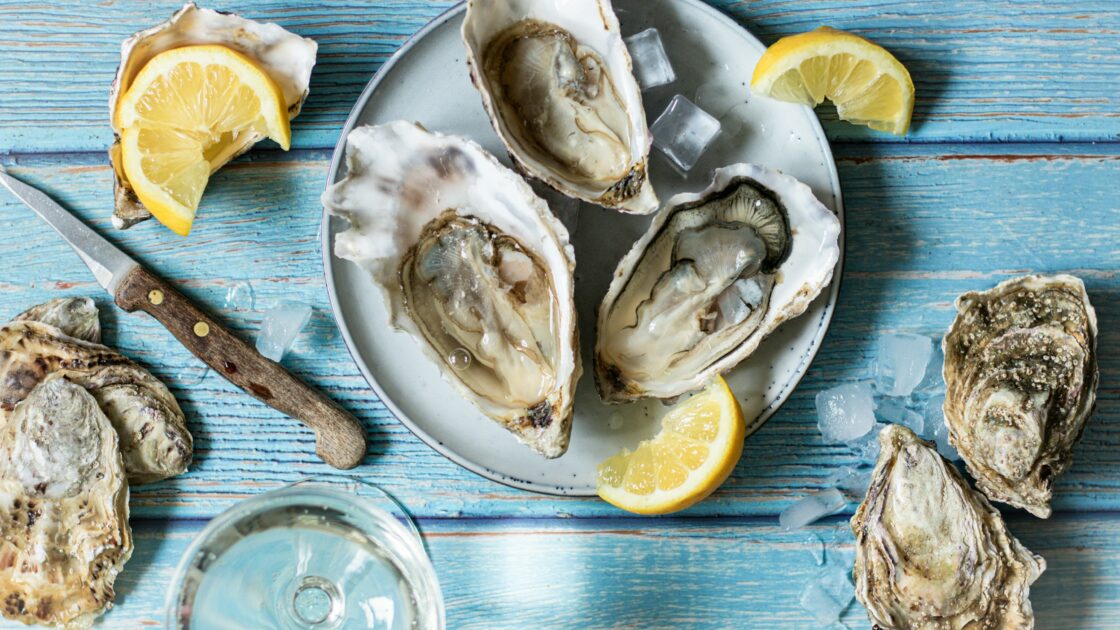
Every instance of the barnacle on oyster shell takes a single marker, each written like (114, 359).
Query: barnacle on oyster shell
(154, 440)
(1021, 379)
(64, 532)
(931, 552)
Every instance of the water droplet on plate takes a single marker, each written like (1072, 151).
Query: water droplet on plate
(459, 359)
(615, 421)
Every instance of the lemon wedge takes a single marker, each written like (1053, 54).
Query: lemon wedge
(187, 112)
(865, 82)
(700, 442)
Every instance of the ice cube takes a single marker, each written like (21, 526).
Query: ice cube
(812, 508)
(867, 447)
(280, 327)
(816, 547)
(827, 595)
(893, 410)
(239, 297)
(845, 412)
(852, 481)
(683, 131)
(937, 430)
(902, 361)
(651, 64)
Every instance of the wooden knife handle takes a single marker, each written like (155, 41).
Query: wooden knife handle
(339, 438)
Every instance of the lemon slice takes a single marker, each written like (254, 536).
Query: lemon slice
(189, 111)
(865, 82)
(700, 442)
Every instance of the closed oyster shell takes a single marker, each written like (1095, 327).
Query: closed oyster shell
(472, 265)
(286, 57)
(931, 552)
(154, 439)
(75, 317)
(1021, 378)
(64, 532)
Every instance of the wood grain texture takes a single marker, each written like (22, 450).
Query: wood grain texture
(925, 223)
(617, 573)
(339, 440)
(948, 209)
(1000, 70)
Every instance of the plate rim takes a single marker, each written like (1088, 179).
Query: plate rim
(326, 256)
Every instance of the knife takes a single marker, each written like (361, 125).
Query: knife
(339, 439)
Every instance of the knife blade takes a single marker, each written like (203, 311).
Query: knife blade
(340, 440)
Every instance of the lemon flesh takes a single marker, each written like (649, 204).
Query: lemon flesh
(865, 82)
(188, 112)
(700, 441)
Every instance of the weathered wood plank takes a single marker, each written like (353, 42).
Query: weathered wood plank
(924, 224)
(1003, 70)
(632, 573)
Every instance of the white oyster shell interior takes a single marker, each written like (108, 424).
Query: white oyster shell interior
(557, 83)
(716, 272)
(472, 265)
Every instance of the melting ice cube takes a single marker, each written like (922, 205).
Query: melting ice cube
(239, 297)
(812, 508)
(902, 362)
(280, 327)
(651, 64)
(683, 131)
(845, 412)
(816, 547)
(867, 447)
(937, 430)
(852, 481)
(827, 595)
(893, 410)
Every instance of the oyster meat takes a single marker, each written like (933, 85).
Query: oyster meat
(1021, 381)
(153, 435)
(714, 274)
(472, 265)
(556, 81)
(931, 552)
(286, 57)
(64, 532)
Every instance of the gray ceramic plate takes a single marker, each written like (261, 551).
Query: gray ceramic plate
(427, 81)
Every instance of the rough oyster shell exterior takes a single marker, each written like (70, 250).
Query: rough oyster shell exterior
(154, 439)
(64, 533)
(1021, 378)
(931, 552)
(286, 58)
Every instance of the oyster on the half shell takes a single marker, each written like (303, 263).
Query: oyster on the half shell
(556, 81)
(286, 57)
(1021, 380)
(931, 552)
(472, 265)
(153, 435)
(64, 532)
(714, 274)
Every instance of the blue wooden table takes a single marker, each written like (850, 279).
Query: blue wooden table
(1012, 165)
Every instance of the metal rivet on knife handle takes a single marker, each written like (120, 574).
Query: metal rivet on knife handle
(201, 329)
(155, 296)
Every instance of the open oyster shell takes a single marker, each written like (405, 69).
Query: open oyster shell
(286, 58)
(557, 82)
(64, 532)
(154, 439)
(472, 265)
(931, 552)
(715, 273)
(1021, 379)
